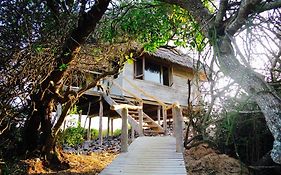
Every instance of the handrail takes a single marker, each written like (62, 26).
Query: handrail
(146, 94)
(176, 104)
(124, 90)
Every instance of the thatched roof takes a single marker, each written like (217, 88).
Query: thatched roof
(174, 57)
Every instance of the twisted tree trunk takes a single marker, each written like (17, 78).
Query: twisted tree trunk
(39, 129)
(253, 84)
(219, 31)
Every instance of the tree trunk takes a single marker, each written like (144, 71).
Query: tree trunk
(47, 94)
(219, 31)
(253, 84)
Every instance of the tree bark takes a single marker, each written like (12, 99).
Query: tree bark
(219, 32)
(253, 83)
(48, 91)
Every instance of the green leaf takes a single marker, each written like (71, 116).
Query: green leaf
(130, 61)
(39, 49)
(63, 67)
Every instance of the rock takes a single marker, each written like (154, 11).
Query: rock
(111, 145)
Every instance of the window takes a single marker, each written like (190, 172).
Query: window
(139, 68)
(151, 71)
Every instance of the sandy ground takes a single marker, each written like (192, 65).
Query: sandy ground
(200, 160)
(203, 160)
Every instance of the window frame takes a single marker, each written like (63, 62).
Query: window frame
(142, 75)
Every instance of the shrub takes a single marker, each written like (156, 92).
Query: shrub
(73, 136)
(117, 132)
(94, 133)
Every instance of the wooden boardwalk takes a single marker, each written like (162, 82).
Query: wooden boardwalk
(149, 156)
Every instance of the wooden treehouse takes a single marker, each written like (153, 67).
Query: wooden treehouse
(150, 95)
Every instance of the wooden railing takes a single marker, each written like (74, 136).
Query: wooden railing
(140, 102)
(128, 92)
(145, 93)
(178, 129)
(161, 103)
(124, 131)
(178, 125)
(176, 113)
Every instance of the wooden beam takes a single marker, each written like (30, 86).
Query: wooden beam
(89, 125)
(159, 115)
(172, 105)
(145, 93)
(89, 129)
(132, 134)
(124, 131)
(128, 92)
(111, 128)
(108, 124)
(88, 112)
(174, 123)
(79, 117)
(178, 130)
(140, 113)
(164, 120)
(100, 121)
(122, 106)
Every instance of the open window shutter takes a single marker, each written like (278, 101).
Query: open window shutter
(138, 68)
(171, 73)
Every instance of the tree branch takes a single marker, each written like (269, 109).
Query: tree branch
(86, 24)
(221, 12)
(197, 10)
(270, 5)
(245, 10)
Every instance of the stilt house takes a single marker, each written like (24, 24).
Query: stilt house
(153, 81)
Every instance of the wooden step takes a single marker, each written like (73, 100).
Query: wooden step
(137, 116)
(121, 101)
(151, 126)
(133, 112)
(152, 132)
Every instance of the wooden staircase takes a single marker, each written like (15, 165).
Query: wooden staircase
(149, 126)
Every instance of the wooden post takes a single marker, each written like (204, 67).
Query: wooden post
(164, 120)
(140, 119)
(89, 128)
(112, 130)
(132, 134)
(124, 131)
(88, 112)
(100, 121)
(177, 115)
(108, 123)
(79, 118)
(174, 124)
(159, 115)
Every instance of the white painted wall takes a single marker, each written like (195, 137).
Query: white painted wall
(177, 92)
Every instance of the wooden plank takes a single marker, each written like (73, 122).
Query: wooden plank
(124, 131)
(121, 106)
(164, 120)
(149, 155)
(132, 122)
(178, 129)
(132, 134)
(111, 128)
(159, 114)
(140, 115)
(100, 121)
